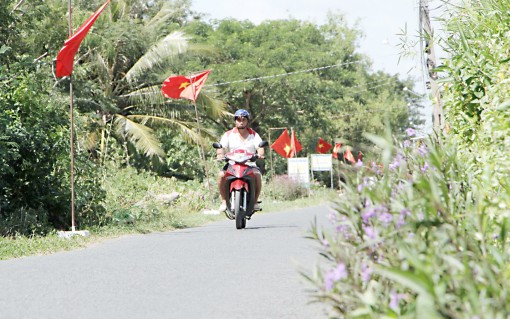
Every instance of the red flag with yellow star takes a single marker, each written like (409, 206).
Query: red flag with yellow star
(187, 87)
(322, 146)
(285, 146)
(336, 150)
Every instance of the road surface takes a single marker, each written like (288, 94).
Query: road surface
(214, 271)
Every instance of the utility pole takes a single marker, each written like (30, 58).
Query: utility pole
(427, 36)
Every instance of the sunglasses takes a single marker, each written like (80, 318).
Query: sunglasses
(241, 118)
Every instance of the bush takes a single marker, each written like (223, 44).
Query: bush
(132, 195)
(282, 187)
(35, 191)
(424, 238)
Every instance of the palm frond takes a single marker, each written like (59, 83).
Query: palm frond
(167, 11)
(190, 131)
(140, 135)
(149, 95)
(214, 108)
(171, 45)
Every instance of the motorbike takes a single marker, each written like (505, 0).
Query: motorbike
(240, 184)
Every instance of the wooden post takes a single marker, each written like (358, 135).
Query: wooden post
(71, 118)
(201, 152)
(428, 37)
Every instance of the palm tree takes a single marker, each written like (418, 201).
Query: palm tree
(122, 74)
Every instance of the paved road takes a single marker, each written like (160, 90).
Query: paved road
(214, 271)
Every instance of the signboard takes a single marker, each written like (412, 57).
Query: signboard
(297, 168)
(322, 162)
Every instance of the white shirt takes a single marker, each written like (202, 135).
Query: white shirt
(232, 141)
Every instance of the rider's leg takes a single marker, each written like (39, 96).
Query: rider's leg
(258, 185)
(221, 186)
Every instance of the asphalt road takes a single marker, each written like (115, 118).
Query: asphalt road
(214, 271)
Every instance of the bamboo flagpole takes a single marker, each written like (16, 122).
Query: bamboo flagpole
(71, 119)
(64, 67)
(201, 151)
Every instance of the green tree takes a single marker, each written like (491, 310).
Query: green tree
(123, 62)
(344, 100)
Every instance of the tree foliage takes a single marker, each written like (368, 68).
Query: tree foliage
(121, 116)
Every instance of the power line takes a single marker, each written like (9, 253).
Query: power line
(285, 74)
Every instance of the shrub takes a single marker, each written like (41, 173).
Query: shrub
(282, 187)
(425, 237)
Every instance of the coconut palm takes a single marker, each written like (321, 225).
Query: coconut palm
(121, 77)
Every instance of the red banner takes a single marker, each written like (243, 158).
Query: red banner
(322, 146)
(65, 57)
(336, 150)
(187, 87)
(287, 146)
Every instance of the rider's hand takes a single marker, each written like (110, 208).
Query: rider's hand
(220, 157)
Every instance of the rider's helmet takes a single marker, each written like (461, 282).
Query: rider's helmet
(240, 113)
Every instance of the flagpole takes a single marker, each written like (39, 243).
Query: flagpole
(201, 152)
(71, 119)
(292, 142)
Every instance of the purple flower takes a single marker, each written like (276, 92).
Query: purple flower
(422, 150)
(368, 214)
(407, 143)
(334, 275)
(366, 272)
(425, 167)
(410, 132)
(398, 160)
(359, 163)
(394, 299)
(376, 169)
(344, 230)
(386, 218)
(325, 242)
(370, 232)
(402, 218)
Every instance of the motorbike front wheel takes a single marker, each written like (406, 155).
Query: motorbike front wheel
(238, 211)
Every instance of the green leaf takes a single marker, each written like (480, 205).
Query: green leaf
(503, 106)
(425, 308)
(4, 49)
(418, 282)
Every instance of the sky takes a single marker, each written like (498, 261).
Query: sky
(381, 22)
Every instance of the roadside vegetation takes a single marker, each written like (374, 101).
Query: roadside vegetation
(144, 203)
(426, 234)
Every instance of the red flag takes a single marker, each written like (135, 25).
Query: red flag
(296, 146)
(285, 146)
(187, 87)
(282, 145)
(336, 150)
(348, 156)
(65, 57)
(360, 157)
(322, 146)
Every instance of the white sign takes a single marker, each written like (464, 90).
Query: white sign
(322, 162)
(297, 168)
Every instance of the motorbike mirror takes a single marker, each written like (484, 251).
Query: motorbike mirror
(263, 144)
(217, 145)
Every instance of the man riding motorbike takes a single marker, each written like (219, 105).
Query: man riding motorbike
(240, 137)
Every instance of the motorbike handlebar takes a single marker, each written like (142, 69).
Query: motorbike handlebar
(225, 158)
